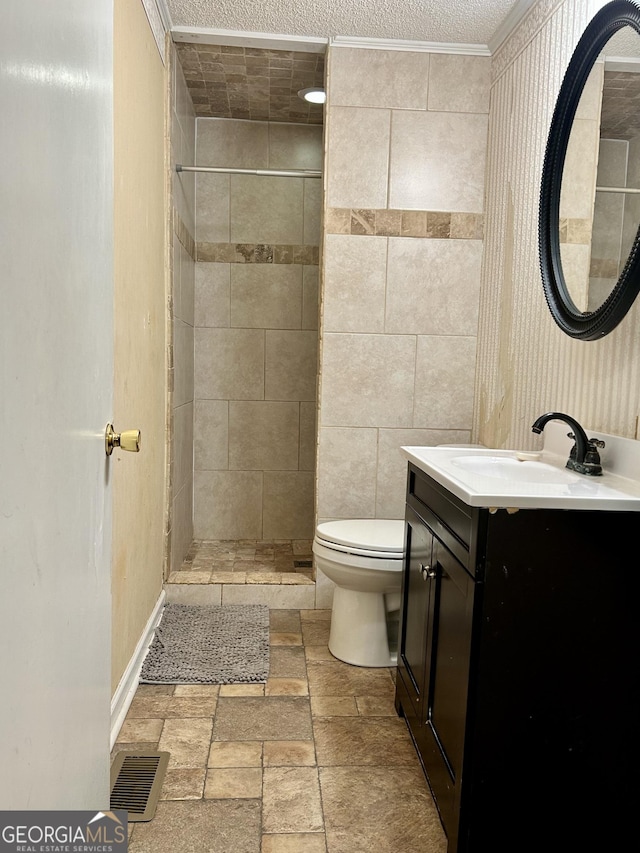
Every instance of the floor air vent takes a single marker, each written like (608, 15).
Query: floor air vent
(302, 564)
(136, 782)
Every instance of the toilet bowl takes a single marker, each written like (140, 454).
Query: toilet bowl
(363, 557)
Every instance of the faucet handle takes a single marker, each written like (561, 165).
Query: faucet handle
(596, 442)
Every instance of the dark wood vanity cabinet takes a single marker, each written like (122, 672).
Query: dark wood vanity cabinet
(518, 671)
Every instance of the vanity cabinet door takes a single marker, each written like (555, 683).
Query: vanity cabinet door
(413, 632)
(447, 663)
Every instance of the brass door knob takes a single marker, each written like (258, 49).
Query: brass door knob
(128, 440)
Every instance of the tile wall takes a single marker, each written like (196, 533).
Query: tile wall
(406, 140)
(181, 322)
(256, 331)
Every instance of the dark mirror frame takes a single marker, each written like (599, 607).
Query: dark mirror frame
(590, 325)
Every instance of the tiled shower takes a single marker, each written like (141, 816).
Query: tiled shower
(256, 331)
(245, 329)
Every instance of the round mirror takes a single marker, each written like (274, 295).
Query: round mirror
(589, 235)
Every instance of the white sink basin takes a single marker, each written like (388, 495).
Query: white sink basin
(512, 469)
(485, 477)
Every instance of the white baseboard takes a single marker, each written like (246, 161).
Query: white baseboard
(129, 682)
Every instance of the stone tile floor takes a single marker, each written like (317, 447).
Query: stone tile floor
(239, 561)
(314, 761)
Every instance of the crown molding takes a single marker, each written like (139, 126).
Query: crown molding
(165, 14)
(267, 41)
(156, 24)
(405, 44)
(527, 29)
(516, 14)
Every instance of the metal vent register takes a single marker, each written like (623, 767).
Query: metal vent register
(136, 782)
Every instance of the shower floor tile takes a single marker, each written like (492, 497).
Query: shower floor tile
(241, 561)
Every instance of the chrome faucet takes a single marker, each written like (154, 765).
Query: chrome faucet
(584, 457)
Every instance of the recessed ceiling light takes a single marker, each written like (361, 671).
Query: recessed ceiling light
(315, 95)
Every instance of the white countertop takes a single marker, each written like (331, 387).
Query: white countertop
(618, 488)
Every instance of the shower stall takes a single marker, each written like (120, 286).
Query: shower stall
(244, 407)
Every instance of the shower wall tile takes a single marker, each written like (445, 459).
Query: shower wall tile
(295, 146)
(256, 315)
(379, 78)
(433, 286)
(182, 144)
(266, 209)
(182, 183)
(183, 445)
(312, 210)
(182, 103)
(358, 157)
(367, 380)
(288, 504)
(212, 295)
(612, 162)
(183, 362)
(229, 364)
(212, 208)
(459, 84)
(232, 144)
(445, 371)
(391, 478)
(266, 296)
(175, 257)
(347, 459)
(227, 505)
(421, 177)
(211, 435)
(310, 297)
(354, 283)
(307, 448)
(179, 529)
(181, 533)
(291, 365)
(264, 436)
(187, 287)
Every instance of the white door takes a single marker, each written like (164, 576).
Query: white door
(56, 390)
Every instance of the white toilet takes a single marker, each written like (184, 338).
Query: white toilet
(363, 557)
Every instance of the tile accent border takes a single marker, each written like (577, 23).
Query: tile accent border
(438, 225)
(257, 253)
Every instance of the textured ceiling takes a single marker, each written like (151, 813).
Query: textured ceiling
(460, 21)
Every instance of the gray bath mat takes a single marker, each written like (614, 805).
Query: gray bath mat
(201, 644)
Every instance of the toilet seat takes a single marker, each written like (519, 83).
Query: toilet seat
(377, 538)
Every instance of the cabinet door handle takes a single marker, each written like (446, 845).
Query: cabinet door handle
(427, 572)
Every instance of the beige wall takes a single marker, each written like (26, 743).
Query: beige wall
(402, 245)
(256, 331)
(526, 365)
(139, 397)
(182, 124)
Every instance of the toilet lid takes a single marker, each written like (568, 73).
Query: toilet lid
(382, 537)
